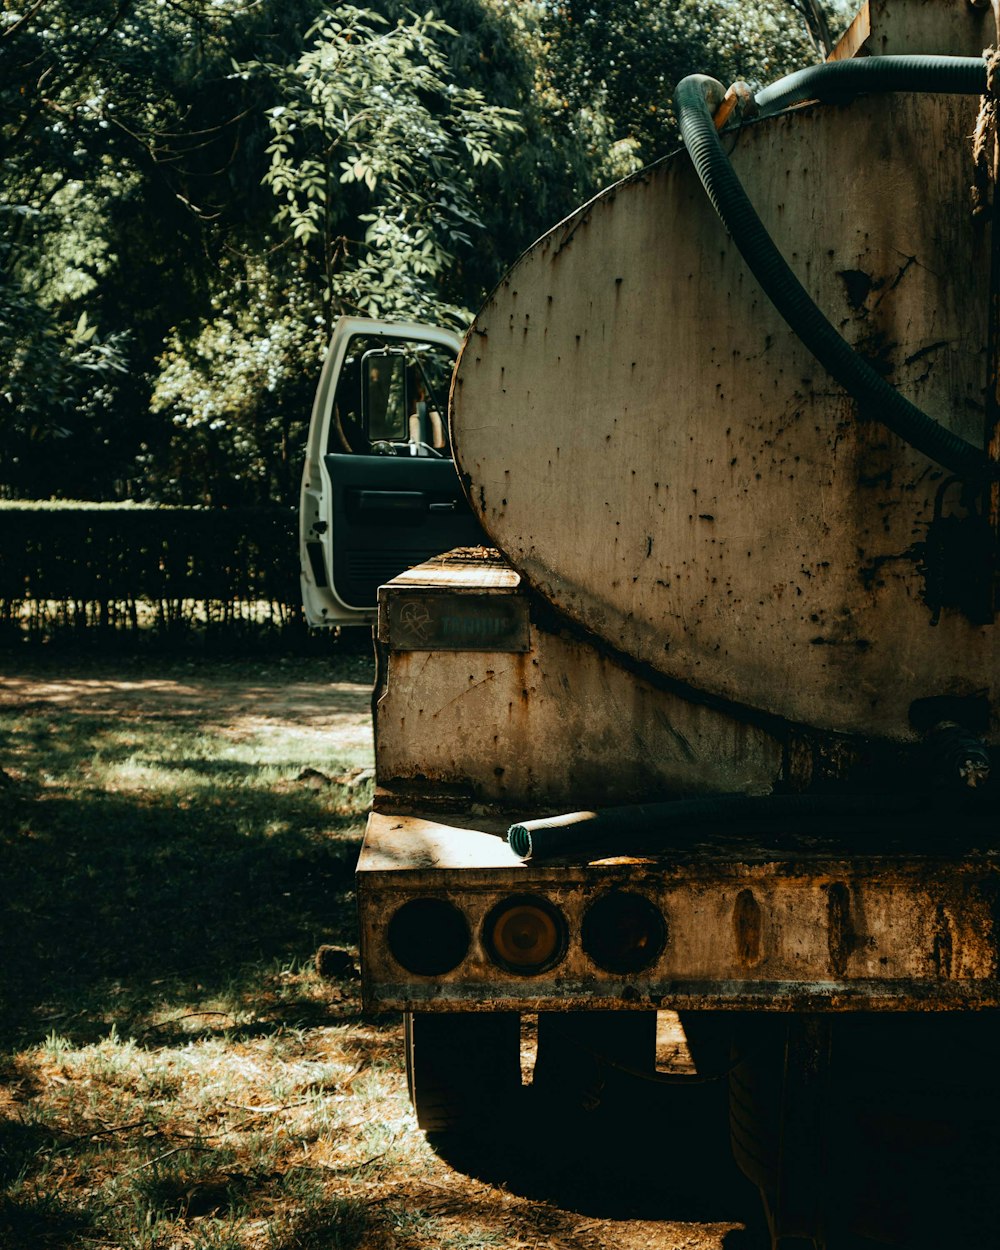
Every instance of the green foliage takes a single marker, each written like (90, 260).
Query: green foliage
(52, 371)
(371, 162)
(133, 160)
(93, 228)
(237, 393)
(373, 134)
(615, 65)
(193, 190)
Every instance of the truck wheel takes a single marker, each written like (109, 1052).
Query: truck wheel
(909, 1129)
(463, 1069)
(755, 1104)
(581, 1056)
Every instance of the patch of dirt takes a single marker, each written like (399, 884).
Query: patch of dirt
(243, 699)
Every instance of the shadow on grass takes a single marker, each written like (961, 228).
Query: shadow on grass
(19, 1145)
(34, 1217)
(111, 897)
(214, 770)
(42, 1221)
(326, 1224)
(145, 1203)
(657, 1152)
(60, 745)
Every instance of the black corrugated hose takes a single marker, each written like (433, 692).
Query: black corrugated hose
(643, 828)
(839, 81)
(696, 97)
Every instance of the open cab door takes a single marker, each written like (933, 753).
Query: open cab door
(380, 493)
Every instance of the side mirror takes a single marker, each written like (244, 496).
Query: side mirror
(384, 396)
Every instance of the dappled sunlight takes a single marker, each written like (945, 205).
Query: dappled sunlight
(174, 1070)
(153, 855)
(200, 1129)
(244, 711)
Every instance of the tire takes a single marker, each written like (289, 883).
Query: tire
(571, 1072)
(911, 1121)
(922, 1109)
(709, 1038)
(755, 1081)
(463, 1069)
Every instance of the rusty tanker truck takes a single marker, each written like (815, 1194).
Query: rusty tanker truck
(703, 725)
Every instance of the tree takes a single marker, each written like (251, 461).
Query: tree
(371, 161)
(133, 155)
(620, 61)
(819, 22)
(54, 363)
(371, 157)
(195, 189)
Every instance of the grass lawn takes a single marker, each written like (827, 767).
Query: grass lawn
(174, 1075)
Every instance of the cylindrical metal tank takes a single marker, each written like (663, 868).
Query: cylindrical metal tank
(656, 452)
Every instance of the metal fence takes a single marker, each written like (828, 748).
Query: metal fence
(116, 571)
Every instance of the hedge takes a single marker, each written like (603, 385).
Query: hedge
(131, 567)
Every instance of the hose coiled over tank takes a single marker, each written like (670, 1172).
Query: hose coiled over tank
(696, 98)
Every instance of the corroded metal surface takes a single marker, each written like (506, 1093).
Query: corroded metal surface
(464, 600)
(798, 924)
(734, 524)
(931, 27)
(746, 585)
(557, 724)
(443, 622)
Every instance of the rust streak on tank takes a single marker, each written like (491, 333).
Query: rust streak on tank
(840, 932)
(747, 926)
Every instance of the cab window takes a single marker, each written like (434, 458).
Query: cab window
(392, 398)
(384, 393)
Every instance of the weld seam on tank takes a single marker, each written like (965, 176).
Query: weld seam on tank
(696, 98)
(642, 827)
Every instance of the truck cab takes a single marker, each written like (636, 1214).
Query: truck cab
(379, 489)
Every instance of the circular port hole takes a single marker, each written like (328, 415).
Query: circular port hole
(623, 933)
(428, 937)
(525, 934)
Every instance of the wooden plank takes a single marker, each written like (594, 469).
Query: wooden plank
(853, 39)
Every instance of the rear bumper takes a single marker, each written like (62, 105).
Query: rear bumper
(805, 924)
